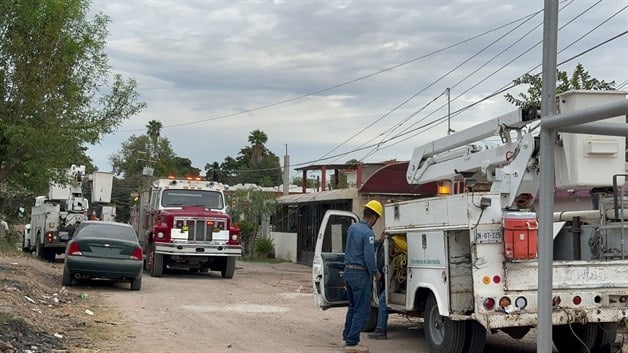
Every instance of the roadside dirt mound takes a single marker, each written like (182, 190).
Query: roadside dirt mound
(37, 314)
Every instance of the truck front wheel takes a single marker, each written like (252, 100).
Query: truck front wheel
(229, 268)
(442, 334)
(157, 268)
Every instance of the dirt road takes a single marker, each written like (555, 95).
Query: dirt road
(264, 308)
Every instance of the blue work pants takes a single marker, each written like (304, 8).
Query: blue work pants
(382, 312)
(358, 284)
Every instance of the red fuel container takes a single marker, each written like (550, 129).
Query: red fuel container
(520, 235)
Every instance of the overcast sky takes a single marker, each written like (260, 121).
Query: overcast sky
(346, 79)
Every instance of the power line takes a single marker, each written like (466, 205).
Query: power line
(504, 88)
(457, 112)
(313, 93)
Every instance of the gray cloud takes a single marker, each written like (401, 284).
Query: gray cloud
(198, 60)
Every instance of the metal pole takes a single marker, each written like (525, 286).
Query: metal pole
(547, 183)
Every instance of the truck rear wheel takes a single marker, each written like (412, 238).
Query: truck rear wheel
(475, 337)
(606, 335)
(574, 338)
(229, 268)
(371, 324)
(442, 334)
(157, 268)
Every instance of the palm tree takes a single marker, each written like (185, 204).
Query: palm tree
(257, 138)
(154, 131)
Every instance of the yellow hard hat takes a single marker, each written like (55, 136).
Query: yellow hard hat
(375, 206)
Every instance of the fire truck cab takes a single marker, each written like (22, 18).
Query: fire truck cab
(184, 224)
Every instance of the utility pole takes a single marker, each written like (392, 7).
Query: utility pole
(547, 184)
(286, 173)
(448, 92)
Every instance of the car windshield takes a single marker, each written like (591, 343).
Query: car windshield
(180, 198)
(106, 231)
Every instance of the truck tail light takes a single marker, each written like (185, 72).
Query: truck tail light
(137, 254)
(489, 303)
(74, 249)
(49, 237)
(521, 302)
(577, 300)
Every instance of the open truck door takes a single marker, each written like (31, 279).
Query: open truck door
(329, 259)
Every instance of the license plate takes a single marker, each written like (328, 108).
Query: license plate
(64, 235)
(486, 234)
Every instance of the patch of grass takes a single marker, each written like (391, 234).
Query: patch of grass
(261, 260)
(10, 248)
(12, 320)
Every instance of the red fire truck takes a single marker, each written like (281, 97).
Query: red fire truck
(183, 224)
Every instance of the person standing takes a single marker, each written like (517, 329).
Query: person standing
(382, 309)
(359, 270)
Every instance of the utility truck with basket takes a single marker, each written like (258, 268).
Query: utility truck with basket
(55, 216)
(466, 260)
(184, 224)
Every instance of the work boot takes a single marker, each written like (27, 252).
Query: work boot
(356, 349)
(377, 335)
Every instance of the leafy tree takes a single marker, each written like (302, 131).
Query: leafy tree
(251, 206)
(57, 91)
(580, 79)
(214, 172)
(254, 164)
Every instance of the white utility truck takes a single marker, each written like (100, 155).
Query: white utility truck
(466, 261)
(54, 217)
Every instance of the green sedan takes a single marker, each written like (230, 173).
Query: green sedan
(104, 250)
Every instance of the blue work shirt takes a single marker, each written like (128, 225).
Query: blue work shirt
(360, 247)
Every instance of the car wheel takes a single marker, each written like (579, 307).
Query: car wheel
(229, 267)
(442, 334)
(67, 280)
(157, 268)
(136, 283)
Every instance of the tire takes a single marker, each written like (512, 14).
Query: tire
(566, 342)
(39, 249)
(136, 284)
(371, 324)
(475, 337)
(203, 270)
(67, 280)
(193, 270)
(229, 267)
(442, 334)
(606, 334)
(157, 267)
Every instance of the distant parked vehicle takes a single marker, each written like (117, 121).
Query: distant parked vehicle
(104, 250)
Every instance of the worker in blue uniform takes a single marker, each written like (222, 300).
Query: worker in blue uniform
(360, 268)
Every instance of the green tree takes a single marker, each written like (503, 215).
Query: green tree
(57, 92)
(251, 207)
(580, 79)
(214, 172)
(256, 164)
(154, 132)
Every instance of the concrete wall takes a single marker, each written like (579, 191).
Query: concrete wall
(285, 245)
